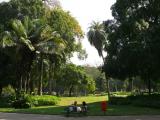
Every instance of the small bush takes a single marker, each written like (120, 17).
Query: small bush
(8, 91)
(23, 101)
(45, 100)
(7, 97)
(18, 104)
(6, 101)
(27, 101)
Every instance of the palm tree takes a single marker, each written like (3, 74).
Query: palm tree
(17, 37)
(97, 37)
(29, 37)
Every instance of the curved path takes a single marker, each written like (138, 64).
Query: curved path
(16, 116)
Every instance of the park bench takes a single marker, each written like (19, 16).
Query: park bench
(68, 113)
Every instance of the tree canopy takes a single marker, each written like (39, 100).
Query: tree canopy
(133, 41)
(33, 35)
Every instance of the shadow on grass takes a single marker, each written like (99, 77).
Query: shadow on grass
(94, 110)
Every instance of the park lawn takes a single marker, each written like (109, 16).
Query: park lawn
(65, 101)
(94, 103)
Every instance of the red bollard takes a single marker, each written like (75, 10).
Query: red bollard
(104, 106)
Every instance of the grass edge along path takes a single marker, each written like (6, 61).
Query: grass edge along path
(94, 103)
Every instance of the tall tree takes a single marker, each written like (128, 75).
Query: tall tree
(29, 37)
(97, 37)
(68, 28)
(34, 30)
(133, 40)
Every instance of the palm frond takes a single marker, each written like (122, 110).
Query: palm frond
(52, 46)
(90, 36)
(97, 36)
(19, 28)
(6, 40)
(26, 23)
(27, 43)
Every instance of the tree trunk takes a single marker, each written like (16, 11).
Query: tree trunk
(19, 77)
(50, 80)
(149, 86)
(85, 92)
(50, 86)
(132, 87)
(131, 84)
(107, 80)
(103, 59)
(108, 89)
(28, 82)
(41, 77)
(31, 87)
(148, 78)
(116, 88)
(25, 84)
(70, 91)
(21, 83)
(0, 90)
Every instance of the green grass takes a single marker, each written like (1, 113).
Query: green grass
(94, 107)
(121, 94)
(65, 101)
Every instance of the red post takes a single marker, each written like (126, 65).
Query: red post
(104, 106)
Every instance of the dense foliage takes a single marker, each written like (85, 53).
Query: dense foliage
(27, 101)
(136, 39)
(132, 43)
(44, 100)
(36, 41)
(73, 79)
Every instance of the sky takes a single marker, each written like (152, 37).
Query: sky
(4, 0)
(86, 11)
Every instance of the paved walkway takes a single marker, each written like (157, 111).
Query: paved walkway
(16, 116)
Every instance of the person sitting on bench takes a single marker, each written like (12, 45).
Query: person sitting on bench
(84, 106)
(74, 108)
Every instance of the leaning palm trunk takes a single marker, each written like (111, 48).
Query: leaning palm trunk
(108, 88)
(107, 80)
(97, 37)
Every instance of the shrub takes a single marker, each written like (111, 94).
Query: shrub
(6, 101)
(27, 101)
(8, 91)
(45, 100)
(23, 101)
(17, 104)
(152, 101)
(7, 97)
